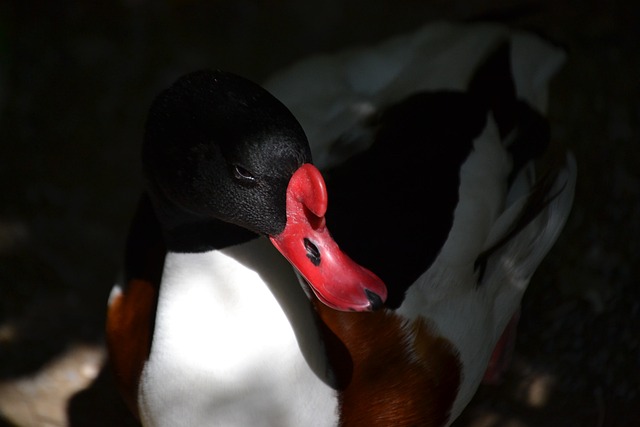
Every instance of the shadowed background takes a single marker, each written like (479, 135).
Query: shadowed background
(75, 84)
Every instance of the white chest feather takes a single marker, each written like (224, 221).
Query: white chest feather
(224, 352)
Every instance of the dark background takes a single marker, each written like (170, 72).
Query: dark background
(76, 81)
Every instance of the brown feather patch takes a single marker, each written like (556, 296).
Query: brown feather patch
(131, 315)
(397, 373)
(130, 321)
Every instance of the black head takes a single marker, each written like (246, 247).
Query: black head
(220, 148)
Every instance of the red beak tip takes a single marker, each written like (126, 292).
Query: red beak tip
(376, 302)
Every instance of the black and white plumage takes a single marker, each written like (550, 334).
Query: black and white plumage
(427, 143)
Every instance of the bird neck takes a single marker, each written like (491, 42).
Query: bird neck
(188, 232)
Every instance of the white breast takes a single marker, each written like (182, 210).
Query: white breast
(224, 352)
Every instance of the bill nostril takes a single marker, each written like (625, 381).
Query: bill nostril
(313, 253)
(375, 302)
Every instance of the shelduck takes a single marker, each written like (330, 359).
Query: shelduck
(369, 287)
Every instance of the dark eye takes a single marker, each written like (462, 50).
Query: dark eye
(243, 174)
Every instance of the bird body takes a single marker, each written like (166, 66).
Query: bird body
(426, 145)
(215, 325)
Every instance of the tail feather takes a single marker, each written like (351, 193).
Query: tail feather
(547, 225)
(513, 257)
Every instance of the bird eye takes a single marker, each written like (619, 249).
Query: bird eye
(243, 174)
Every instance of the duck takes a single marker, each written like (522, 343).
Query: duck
(345, 244)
